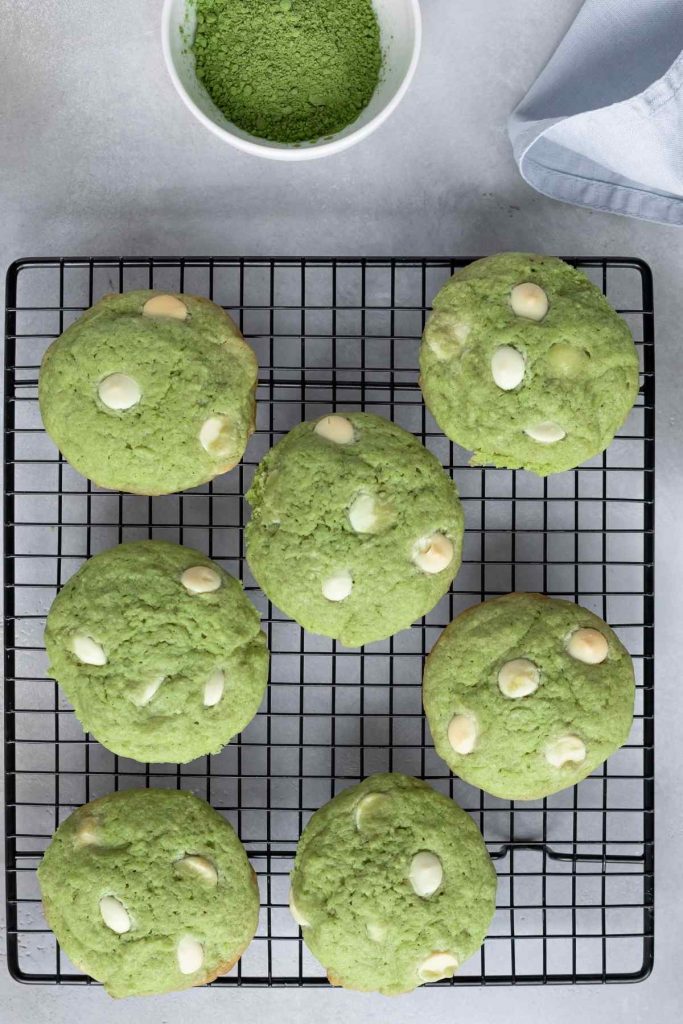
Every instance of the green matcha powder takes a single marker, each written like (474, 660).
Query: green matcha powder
(288, 70)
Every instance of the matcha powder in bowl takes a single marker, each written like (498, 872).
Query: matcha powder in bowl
(288, 71)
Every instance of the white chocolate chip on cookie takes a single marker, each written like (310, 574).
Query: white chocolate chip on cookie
(366, 807)
(166, 306)
(88, 834)
(588, 645)
(437, 966)
(433, 554)
(114, 915)
(213, 688)
(376, 931)
(446, 337)
(335, 428)
(190, 954)
(529, 301)
(119, 391)
(200, 579)
(338, 587)
(567, 359)
(144, 696)
(88, 650)
(462, 733)
(518, 678)
(199, 866)
(566, 749)
(216, 437)
(546, 432)
(362, 515)
(302, 921)
(507, 367)
(426, 873)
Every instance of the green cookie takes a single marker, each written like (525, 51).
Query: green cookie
(526, 695)
(149, 392)
(159, 651)
(149, 891)
(356, 530)
(392, 886)
(524, 362)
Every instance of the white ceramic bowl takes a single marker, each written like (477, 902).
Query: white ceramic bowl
(401, 35)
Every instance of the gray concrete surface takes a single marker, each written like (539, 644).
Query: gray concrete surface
(98, 156)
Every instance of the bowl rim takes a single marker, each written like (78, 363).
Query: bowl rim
(292, 153)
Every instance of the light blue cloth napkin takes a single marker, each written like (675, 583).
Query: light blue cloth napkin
(602, 126)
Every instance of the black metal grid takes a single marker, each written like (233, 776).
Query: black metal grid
(575, 899)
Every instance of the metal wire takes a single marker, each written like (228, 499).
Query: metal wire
(575, 900)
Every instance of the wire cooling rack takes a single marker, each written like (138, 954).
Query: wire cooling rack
(575, 898)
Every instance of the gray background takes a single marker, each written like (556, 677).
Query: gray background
(98, 156)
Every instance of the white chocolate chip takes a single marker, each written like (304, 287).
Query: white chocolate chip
(462, 733)
(213, 688)
(335, 428)
(546, 432)
(567, 748)
(119, 391)
(437, 966)
(446, 336)
(88, 650)
(362, 515)
(199, 866)
(144, 696)
(200, 579)
(337, 588)
(165, 305)
(366, 806)
(114, 915)
(433, 554)
(88, 834)
(190, 955)
(567, 359)
(507, 367)
(426, 873)
(302, 921)
(216, 437)
(518, 678)
(376, 931)
(588, 645)
(529, 300)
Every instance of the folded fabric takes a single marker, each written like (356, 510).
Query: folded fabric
(602, 126)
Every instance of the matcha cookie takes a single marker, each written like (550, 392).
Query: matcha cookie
(149, 891)
(356, 530)
(149, 392)
(159, 651)
(526, 695)
(524, 362)
(392, 886)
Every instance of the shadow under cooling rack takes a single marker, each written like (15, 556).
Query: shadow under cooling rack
(575, 898)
